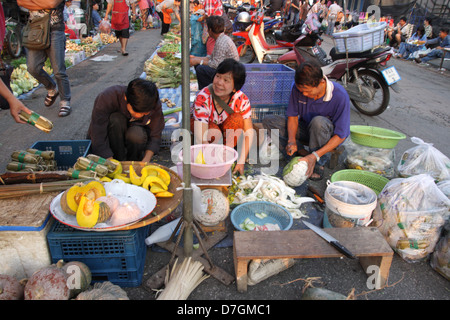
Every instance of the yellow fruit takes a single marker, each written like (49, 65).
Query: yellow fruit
(200, 159)
(151, 181)
(161, 173)
(135, 179)
(164, 194)
(123, 177)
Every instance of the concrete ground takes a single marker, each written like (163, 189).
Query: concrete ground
(420, 110)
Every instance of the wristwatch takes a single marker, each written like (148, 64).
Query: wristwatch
(317, 156)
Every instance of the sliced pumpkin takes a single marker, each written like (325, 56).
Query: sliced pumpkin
(161, 173)
(90, 212)
(118, 169)
(135, 178)
(155, 188)
(151, 181)
(123, 177)
(70, 199)
(164, 194)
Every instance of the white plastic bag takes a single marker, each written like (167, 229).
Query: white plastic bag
(410, 214)
(104, 27)
(424, 158)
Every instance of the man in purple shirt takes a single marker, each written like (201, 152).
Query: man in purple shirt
(318, 115)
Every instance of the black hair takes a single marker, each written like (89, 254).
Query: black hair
(421, 29)
(142, 95)
(429, 21)
(237, 70)
(445, 30)
(404, 19)
(216, 24)
(308, 74)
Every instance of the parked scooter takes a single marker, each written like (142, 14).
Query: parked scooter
(252, 42)
(364, 75)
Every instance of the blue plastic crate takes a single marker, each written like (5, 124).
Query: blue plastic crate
(260, 111)
(66, 151)
(116, 256)
(268, 83)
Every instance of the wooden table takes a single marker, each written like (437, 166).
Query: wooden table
(368, 244)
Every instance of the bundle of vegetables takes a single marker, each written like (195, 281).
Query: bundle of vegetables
(165, 73)
(173, 37)
(22, 81)
(72, 46)
(170, 47)
(108, 38)
(267, 188)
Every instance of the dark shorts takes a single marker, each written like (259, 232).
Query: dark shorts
(125, 33)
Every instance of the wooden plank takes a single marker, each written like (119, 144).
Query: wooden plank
(29, 211)
(307, 244)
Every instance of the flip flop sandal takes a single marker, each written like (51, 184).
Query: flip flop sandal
(64, 111)
(50, 100)
(124, 53)
(319, 171)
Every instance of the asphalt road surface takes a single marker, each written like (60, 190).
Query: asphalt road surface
(420, 110)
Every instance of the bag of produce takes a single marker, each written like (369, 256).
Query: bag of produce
(377, 160)
(424, 158)
(410, 214)
(440, 259)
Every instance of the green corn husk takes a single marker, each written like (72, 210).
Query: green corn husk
(46, 155)
(26, 157)
(106, 162)
(36, 120)
(84, 163)
(21, 166)
(81, 174)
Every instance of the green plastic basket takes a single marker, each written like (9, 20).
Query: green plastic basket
(375, 137)
(372, 180)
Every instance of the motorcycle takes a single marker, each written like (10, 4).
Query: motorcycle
(363, 75)
(251, 43)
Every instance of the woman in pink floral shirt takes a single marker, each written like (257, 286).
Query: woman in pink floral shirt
(207, 112)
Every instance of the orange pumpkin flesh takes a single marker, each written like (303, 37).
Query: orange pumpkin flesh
(70, 199)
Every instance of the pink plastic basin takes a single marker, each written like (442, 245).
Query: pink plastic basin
(219, 159)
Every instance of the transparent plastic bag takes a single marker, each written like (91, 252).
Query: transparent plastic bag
(376, 160)
(104, 27)
(424, 158)
(410, 214)
(440, 259)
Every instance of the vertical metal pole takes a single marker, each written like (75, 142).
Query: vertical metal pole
(185, 92)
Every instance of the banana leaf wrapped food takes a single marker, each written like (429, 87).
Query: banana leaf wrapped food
(26, 157)
(36, 120)
(84, 163)
(23, 166)
(45, 154)
(112, 165)
(81, 174)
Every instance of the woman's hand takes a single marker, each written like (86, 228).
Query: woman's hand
(239, 167)
(291, 148)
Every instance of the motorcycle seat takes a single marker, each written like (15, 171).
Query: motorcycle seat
(365, 54)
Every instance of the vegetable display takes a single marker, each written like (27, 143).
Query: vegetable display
(264, 187)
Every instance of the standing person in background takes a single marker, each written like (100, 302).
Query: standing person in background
(120, 22)
(294, 12)
(164, 9)
(303, 10)
(212, 8)
(332, 15)
(144, 9)
(56, 53)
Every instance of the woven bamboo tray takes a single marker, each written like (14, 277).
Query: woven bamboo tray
(164, 206)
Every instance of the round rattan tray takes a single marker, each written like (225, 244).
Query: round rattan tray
(164, 206)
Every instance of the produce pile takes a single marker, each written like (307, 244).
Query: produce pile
(22, 81)
(164, 72)
(264, 187)
(59, 281)
(152, 177)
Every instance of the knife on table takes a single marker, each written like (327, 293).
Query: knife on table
(331, 240)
